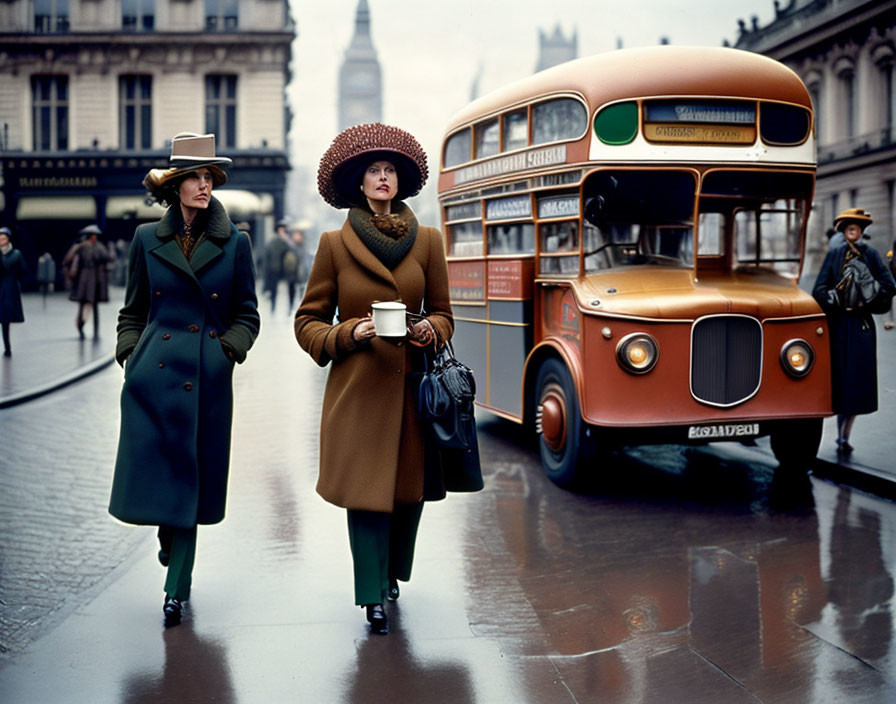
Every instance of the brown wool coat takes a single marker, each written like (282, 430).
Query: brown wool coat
(371, 443)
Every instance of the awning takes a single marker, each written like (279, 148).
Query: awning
(56, 208)
(244, 203)
(118, 207)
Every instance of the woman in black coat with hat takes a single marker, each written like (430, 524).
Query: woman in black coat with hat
(853, 338)
(190, 313)
(12, 269)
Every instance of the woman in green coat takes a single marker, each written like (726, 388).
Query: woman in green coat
(190, 313)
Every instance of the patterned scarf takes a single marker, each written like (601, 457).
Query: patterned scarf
(388, 237)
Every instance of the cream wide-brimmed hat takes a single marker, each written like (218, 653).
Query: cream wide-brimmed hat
(852, 215)
(342, 165)
(190, 151)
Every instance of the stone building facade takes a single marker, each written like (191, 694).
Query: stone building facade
(92, 91)
(845, 53)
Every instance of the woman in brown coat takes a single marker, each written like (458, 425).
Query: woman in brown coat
(371, 441)
(86, 263)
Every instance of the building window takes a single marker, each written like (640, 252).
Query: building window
(49, 113)
(138, 15)
(221, 15)
(848, 96)
(50, 16)
(135, 112)
(220, 108)
(889, 76)
(815, 95)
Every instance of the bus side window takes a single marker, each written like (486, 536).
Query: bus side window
(562, 118)
(458, 148)
(516, 130)
(486, 138)
(511, 238)
(466, 239)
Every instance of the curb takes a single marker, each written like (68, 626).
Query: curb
(70, 378)
(861, 477)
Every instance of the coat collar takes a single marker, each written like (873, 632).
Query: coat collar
(364, 256)
(217, 227)
(218, 231)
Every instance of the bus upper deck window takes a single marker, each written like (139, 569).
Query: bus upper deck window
(516, 130)
(783, 124)
(458, 148)
(486, 138)
(561, 118)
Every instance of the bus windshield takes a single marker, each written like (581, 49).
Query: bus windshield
(638, 217)
(765, 211)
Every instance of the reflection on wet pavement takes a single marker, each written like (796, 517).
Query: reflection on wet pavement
(679, 575)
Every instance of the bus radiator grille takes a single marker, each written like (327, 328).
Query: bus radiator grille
(726, 359)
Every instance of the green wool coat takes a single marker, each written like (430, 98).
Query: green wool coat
(182, 327)
(371, 442)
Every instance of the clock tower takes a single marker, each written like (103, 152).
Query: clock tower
(360, 81)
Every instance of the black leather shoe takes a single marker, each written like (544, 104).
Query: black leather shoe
(393, 593)
(173, 610)
(376, 616)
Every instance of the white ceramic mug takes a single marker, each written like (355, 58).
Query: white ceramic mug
(389, 318)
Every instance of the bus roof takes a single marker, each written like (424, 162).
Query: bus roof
(653, 71)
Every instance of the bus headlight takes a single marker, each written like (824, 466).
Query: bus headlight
(797, 358)
(637, 353)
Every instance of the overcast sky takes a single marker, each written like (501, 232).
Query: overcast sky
(431, 50)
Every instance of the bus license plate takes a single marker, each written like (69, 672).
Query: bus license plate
(720, 432)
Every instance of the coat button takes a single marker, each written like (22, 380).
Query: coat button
(214, 296)
(188, 386)
(161, 365)
(166, 336)
(158, 293)
(212, 334)
(193, 328)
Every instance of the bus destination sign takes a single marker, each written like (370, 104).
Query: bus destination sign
(716, 113)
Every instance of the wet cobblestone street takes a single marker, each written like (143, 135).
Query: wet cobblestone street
(684, 575)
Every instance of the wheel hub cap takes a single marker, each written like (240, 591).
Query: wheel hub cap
(553, 421)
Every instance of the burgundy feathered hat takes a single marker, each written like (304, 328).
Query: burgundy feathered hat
(342, 165)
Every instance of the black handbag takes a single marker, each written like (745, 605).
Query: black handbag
(445, 401)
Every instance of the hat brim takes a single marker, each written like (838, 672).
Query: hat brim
(347, 177)
(840, 224)
(159, 177)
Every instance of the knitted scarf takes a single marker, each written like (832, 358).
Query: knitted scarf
(388, 237)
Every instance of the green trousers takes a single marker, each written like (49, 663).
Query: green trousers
(382, 547)
(180, 544)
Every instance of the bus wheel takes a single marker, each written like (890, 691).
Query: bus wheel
(562, 439)
(795, 443)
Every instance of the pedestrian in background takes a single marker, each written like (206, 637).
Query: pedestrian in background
(295, 265)
(274, 252)
(12, 269)
(371, 440)
(190, 313)
(891, 262)
(87, 265)
(853, 338)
